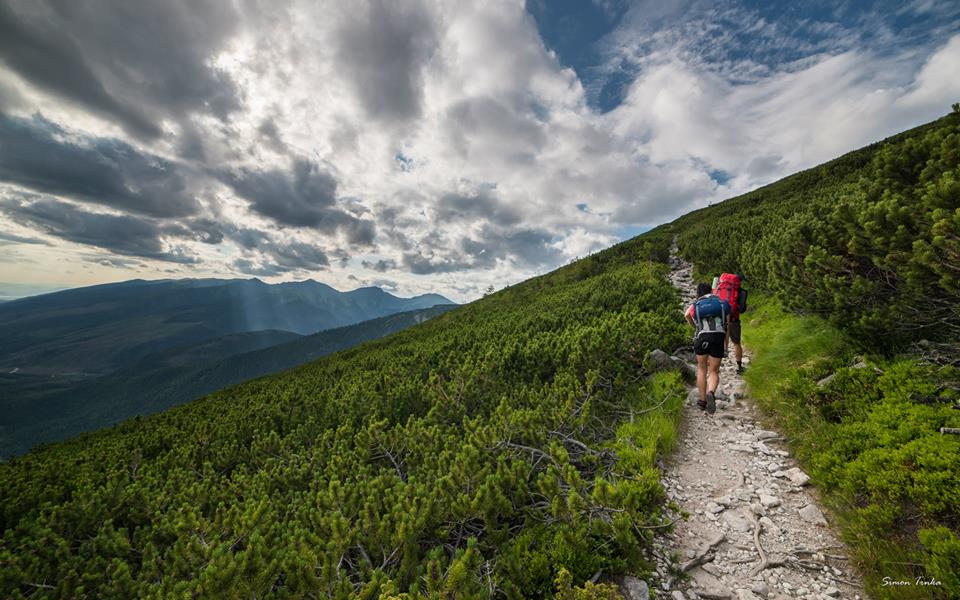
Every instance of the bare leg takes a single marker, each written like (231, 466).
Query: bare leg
(738, 351)
(702, 376)
(713, 379)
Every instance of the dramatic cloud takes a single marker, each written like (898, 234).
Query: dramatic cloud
(382, 47)
(138, 62)
(122, 234)
(381, 266)
(10, 238)
(304, 197)
(482, 205)
(430, 145)
(42, 156)
(283, 258)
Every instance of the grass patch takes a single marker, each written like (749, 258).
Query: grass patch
(869, 438)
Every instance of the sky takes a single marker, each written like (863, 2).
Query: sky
(423, 145)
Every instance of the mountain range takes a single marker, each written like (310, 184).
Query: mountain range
(76, 360)
(513, 447)
(102, 328)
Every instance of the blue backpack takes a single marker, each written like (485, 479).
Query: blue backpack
(710, 314)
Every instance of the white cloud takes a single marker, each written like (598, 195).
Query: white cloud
(476, 106)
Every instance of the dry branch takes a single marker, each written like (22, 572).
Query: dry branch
(704, 551)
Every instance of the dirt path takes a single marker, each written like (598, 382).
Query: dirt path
(741, 488)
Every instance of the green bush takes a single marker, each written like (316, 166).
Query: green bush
(478, 452)
(870, 438)
(870, 241)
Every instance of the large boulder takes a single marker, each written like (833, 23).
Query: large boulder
(688, 371)
(658, 360)
(685, 353)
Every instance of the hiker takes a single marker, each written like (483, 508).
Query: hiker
(709, 316)
(728, 287)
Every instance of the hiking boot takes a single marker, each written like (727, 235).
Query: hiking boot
(740, 369)
(702, 404)
(711, 403)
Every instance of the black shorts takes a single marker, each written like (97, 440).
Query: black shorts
(733, 328)
(709, 343)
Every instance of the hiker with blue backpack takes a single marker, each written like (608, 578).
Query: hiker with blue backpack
(710, 317)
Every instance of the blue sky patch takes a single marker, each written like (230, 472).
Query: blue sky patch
(743, 40)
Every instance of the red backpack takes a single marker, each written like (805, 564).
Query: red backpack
(728, 288)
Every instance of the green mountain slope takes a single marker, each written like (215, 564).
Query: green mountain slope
(857, 340)
(172, 377)
(99, 329)
(871, 240)
(491, 445)
(508, 444)
(37, 409)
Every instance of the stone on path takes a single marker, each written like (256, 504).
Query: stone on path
(635, 589)
(811, 514)
(769, 525)
(769, 501)
(729, 474)
(760, 588)
(795, 475)
(724, 501)
(735, 519)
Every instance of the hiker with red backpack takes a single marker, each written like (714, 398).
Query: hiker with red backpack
(728, 287)
(710, 317)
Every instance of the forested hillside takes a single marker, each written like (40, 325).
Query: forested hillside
(170, 378)
(871, 240)
(857, 340)
(507, 447)
(484, 452)
(102, 328)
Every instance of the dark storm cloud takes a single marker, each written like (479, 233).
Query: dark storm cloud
(361, 232)
(9, 238)
(516, 135)
(528, 247)
(382, 51)
(123, 234)
(382, 265)
(418, 264)
(51, 60)
(249, 238)
(40, 155)
(271, 135)
(305, 197)
(249, 267)
(282, 258)
(469, 208)
(137, 62)
(297, 255)
(206, 231)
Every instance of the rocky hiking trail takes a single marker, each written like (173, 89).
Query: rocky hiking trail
(755, 530)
